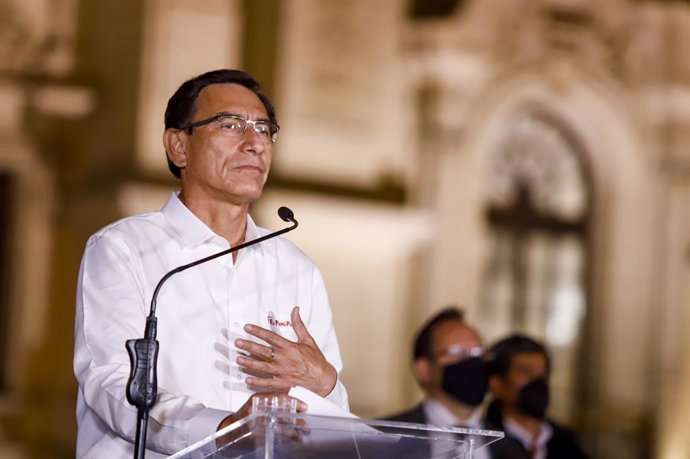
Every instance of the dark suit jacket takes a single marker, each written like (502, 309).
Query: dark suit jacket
(506, 448)
(562, 445)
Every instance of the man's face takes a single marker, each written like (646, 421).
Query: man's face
(217, 167)
(451, 343)
(524, 368)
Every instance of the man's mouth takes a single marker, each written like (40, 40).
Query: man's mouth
(250, 168)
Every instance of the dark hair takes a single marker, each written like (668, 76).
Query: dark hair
(182, 104)
(422, 342)
(500, 356)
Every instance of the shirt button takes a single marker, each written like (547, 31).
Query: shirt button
(236, 324)
(238, 377)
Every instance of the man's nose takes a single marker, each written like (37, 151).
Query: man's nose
(253, 140)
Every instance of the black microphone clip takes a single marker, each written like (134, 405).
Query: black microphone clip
(143, 359)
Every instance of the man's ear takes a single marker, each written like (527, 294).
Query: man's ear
(175, 143)
(422, 370)
(496, 386)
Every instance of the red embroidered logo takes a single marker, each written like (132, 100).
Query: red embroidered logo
(279, 323)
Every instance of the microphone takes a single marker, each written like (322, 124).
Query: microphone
(286, 215)
(142, 385)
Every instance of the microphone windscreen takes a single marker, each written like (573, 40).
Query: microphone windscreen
(286, 214)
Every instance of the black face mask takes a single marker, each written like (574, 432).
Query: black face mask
(533, 398)
(466, 381)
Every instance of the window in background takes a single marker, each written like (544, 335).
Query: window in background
(537, 213)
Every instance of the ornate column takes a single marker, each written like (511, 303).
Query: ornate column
(37, 40)
(661, 71)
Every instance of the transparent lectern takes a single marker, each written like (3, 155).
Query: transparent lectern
(269, 434)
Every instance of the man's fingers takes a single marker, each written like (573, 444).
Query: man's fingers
(256, 350)
(267, 384)
(262, 365)
(272, 338)
(257, 372)
(299, 327)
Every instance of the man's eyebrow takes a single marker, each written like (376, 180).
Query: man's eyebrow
(242, 116)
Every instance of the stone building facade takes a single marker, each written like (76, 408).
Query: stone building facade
(529, 161)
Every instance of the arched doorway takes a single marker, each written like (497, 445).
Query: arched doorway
(538, 198)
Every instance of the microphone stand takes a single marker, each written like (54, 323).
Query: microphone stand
(142, 385)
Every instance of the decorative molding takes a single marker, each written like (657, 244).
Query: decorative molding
(63, 101)
(676, 167)
(37, 37)
(341, 94)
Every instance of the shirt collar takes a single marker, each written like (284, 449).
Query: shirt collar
(190, 230)
(438, 414)
(524, 437)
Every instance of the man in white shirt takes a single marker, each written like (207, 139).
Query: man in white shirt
(447, 364)
(252, 324)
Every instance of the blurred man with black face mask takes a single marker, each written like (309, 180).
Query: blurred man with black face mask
(448, 366)
(518, 369)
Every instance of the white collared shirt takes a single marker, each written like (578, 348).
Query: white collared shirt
(438, 415)
(537, 445)
(201, 311)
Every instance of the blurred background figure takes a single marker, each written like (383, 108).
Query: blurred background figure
(447, 364)
(519, 368)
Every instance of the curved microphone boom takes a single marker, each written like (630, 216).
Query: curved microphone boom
(142, 385)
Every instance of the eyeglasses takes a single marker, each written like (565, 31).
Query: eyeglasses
(458, 352)
(236, 125)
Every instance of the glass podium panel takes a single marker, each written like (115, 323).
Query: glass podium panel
(279, 435)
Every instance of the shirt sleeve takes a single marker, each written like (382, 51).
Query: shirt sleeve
(110, 309)
(338, 395)
(320, 325)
